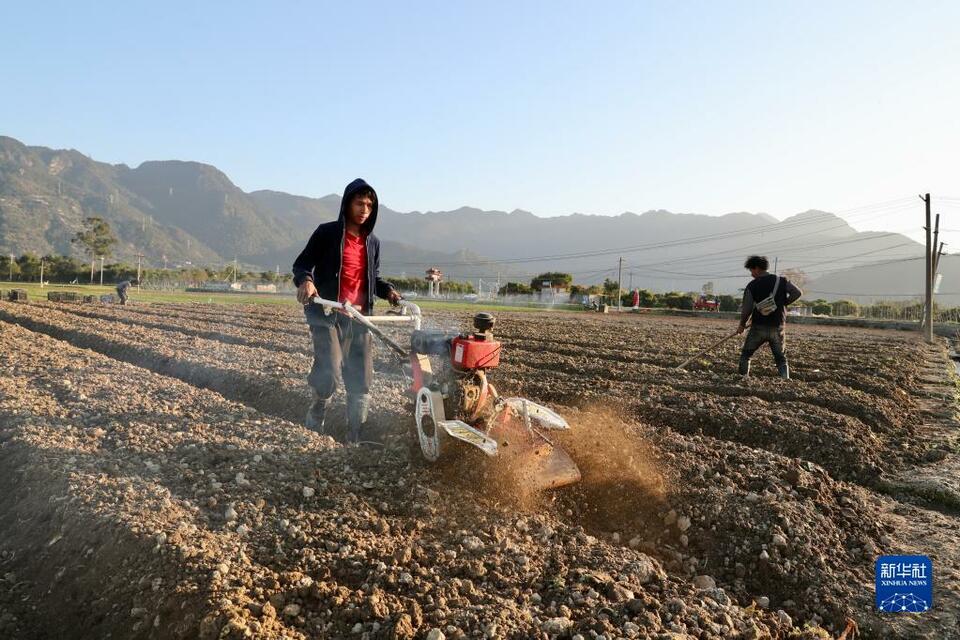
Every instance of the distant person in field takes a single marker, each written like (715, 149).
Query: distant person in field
(123, 287)
(765, 301)
(341, 262)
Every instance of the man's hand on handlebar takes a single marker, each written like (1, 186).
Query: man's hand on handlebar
(306, 291)
(394, 297)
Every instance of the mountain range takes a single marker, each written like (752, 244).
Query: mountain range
(176, 212)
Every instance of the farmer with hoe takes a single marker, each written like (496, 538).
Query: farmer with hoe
(123, 287)
(765, 301)
(342, 262)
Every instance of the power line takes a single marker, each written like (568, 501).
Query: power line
(862, 294)
(673, 274)
(739, 251)
(773, 227)
(817, 246)
(865, 253)
(871, 295)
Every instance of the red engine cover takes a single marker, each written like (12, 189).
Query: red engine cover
(471, 353)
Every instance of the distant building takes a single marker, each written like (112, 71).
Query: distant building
(433, 277)
(553, 294)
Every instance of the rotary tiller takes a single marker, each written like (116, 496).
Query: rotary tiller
(455, 403)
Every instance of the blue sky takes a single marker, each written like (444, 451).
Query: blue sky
(552, 107)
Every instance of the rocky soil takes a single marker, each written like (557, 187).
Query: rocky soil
(157, 484)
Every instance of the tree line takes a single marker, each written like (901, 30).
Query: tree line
(420, 285)
(66, 269)
(607, 292)
(96, 241)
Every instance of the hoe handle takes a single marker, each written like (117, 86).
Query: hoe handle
(713, 346)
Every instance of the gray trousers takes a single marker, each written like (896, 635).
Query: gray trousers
(342, 353)
(756, 337)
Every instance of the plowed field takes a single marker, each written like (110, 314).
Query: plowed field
(157, 484)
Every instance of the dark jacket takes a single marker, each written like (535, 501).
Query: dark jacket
(760, 288)
(322, 258)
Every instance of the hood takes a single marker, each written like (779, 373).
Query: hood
(348, 193)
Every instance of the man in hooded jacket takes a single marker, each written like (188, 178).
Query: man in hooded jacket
(342, 262)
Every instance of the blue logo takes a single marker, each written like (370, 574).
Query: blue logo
(904, 584)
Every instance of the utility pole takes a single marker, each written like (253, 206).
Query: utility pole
(620, 285)
(933, 264)
(11, 267)
(776, 261)
(936, 267)
(936, 261)
(139, 259)
(631, 280)
(101, 271)
(41, 273)
(928, 301)
(234, 269)
(93, 262)
(936, 240)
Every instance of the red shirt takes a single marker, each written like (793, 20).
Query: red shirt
(353, 271)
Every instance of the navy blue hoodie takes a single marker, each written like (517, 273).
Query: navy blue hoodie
(322, 258)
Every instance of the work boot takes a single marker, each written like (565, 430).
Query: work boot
(358, 405)
(784, 370)
(744, 368)
(316, 414)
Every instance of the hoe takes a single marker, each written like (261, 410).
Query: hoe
(455, 404)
